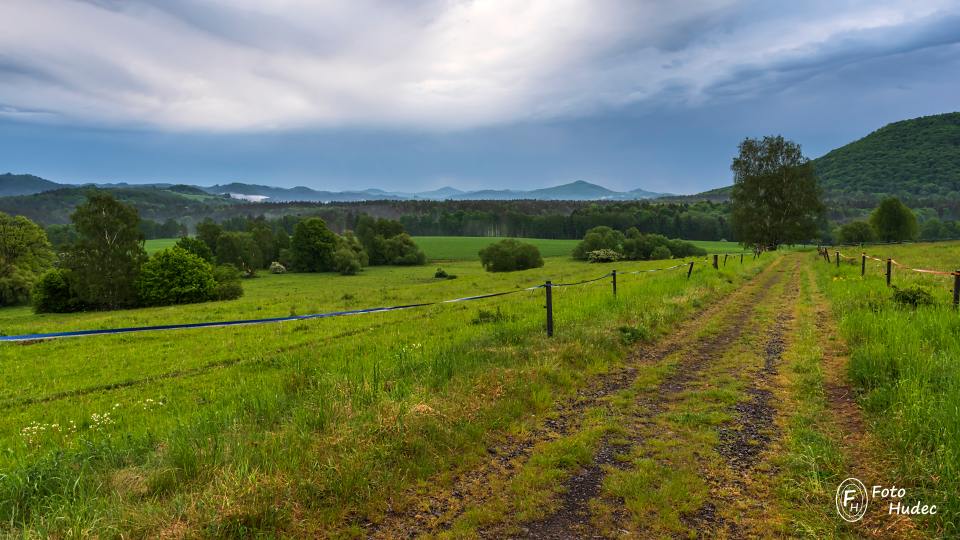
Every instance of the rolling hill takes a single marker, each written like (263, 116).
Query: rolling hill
(911, 158)
(12, 185)
(917, 160)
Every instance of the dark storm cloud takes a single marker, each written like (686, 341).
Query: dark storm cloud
(490, 93)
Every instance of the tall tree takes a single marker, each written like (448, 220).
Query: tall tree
(24, 254)
(893, 221)
(108, 253)
(313, 245)
(775, 198)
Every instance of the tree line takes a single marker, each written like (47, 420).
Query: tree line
(101, 262)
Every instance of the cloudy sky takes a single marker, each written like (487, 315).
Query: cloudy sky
(417, 94)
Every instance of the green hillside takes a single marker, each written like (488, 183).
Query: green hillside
(55, 207)
(916, 160)
(912, 158)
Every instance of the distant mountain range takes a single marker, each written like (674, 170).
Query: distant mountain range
(25, 184)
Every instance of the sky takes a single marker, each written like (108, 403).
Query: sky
(417, 94)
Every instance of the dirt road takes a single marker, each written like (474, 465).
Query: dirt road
(686, 439)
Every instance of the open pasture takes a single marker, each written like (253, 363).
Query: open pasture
(225, 430)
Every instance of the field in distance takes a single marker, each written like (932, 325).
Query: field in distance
(465, 248)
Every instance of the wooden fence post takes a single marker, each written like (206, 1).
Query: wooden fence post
(838, 259)
(863, 265)
(549, 287)
(741, 258)
(956, 289)
(889, 269)
(715, 262)
(725, 255)
(613, 274)
(690, 270)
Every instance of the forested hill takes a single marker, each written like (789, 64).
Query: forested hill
(912, 158)
(916, 160)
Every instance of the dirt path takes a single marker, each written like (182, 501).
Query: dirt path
(690, 432)
(692, 347)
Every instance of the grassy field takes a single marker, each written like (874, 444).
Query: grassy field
(309, 427)
(153, 246)
(905, 361)
(465, 248)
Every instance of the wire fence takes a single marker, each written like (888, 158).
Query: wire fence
(548, 286)
(890, 263)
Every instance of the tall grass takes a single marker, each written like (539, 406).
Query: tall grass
(906, 361)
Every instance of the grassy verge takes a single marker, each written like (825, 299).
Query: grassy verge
(904, 362)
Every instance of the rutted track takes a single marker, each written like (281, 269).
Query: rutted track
(437, 512)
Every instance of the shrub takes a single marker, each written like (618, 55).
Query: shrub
(175, 276)
(599, 238)
(51, 294)
(277, 268)
(856, 232)
(402, 251)
(312, 246)
(440, 274)
(913, 296)
(603, 256)
(346, 261)
(15, 286)
(509, 255)
(196, 246)
(227, 279)
(660, 252)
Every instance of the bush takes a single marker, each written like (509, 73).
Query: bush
(402, 251)
(227, 279)
(196, 246)
(509, 255)
(596, 239)
(52, 294)
(175, 276)
(603, 256)
(856, 232)
(640, 247)
(346, 261)
(312, 246)
(660, 253)
(16, 285)
(913, 297)
(442, 274)
(277, 268)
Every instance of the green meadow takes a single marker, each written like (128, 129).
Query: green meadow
(303, 427)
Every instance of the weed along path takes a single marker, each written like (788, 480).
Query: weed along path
(672, 442)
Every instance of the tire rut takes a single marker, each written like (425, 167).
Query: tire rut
(439, 510)
(573, 518)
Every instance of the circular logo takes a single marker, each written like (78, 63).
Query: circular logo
(852, 500)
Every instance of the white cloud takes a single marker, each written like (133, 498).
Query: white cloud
(250, 65)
